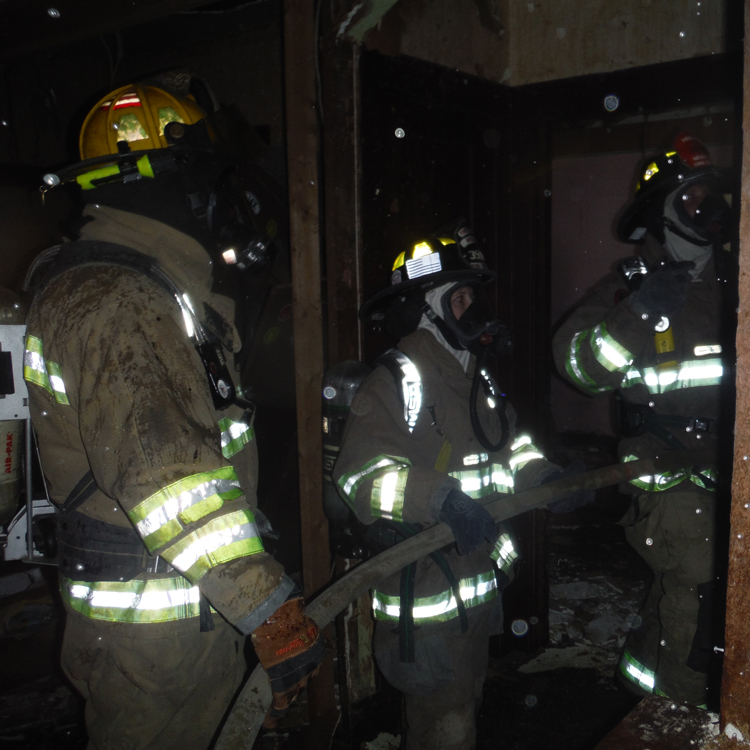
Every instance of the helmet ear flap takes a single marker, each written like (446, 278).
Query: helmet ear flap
(403, 317)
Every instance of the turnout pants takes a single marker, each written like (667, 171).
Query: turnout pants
(443, 687)
(668, 651)
(160, 686)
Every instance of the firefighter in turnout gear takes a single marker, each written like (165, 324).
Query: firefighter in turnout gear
(429, 438)
(657, 335)
(147, 445)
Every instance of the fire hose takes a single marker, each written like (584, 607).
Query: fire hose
(246, 716)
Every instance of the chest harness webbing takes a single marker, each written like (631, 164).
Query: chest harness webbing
(91, 550)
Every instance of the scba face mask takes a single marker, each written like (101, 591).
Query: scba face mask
(477, 326)
(701, 209)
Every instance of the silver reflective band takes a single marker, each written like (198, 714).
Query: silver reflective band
(411, 385)
(636, 672)
(206, 545)
(504, 554)
(172, 507)
(607, 351)
(523, 458)
(701, 351)
(236, 429)
(691, 374)
(234, 436)
(134, 602)
(520, 442)
(131, 600)
(354, 479)
(441, 607)
(387, 498)
(477, 458)
(574, 369)
(427, 264)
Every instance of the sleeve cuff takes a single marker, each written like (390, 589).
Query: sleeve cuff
(263, 611)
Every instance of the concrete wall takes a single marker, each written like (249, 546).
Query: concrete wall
(517, 41)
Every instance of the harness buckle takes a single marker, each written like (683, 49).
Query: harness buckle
(698, 424)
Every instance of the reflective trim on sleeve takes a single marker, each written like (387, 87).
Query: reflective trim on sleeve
(37, 370)
(162, 516)
(58, 384)
(504, 553)
(523, 451)
(349, 483)
(608, 352)
(574, 367)
(387, 498)
(441, 607)
(137, 601)
(234, 436)
(483, 480)
(34, 366)
(219, 541)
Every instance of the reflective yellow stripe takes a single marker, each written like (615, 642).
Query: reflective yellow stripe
(219, 541)
(504, 553)
(234, 436)
(163, 516)
(161, 600)
(441, 607)
(387, 498)
(350, 483)
(37, 370)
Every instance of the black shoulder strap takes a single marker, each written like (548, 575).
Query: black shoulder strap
(65, 257)
(83, 490)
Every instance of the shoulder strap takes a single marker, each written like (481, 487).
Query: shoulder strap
(64, 257)
(408, 383)
(84, 489)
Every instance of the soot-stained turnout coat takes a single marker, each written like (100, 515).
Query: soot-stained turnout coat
(118, 389)
(386, 470)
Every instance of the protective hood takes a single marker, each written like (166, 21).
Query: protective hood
(677, 245)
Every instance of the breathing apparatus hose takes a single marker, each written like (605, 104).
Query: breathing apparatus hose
(246, 716)
(499, 407)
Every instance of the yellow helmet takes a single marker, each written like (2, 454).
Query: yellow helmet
(136, 114)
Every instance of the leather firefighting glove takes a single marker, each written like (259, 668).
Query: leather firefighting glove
(577, 498)
(468, 520)
(663, 293)
(290, 648)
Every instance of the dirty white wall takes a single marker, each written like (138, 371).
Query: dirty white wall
(517, 42)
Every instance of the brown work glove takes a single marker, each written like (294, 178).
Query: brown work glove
(290, 648)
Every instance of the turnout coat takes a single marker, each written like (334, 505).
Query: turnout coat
(388, 472)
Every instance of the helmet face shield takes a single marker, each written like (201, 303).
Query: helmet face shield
(702, 208)
(477, 319)
(687, 165)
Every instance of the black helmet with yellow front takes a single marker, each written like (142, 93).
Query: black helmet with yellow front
(150, 150)
(685, 165)
(423, 279)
